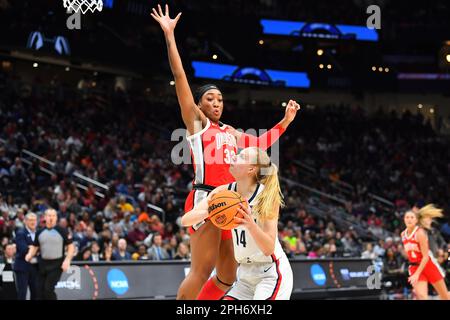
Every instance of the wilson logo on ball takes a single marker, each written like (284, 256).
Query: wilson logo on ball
(216, 205)
(221, 219)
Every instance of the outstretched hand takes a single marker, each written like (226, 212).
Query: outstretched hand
(167, 24)
(291, 110)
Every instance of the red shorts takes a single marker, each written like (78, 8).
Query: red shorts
(431, 273)
(199, 195)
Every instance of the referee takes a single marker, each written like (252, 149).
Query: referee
(51, 241)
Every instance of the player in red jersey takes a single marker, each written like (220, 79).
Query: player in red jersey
(423, 267)
(213, 145)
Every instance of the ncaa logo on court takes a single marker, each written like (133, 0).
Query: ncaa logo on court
(117, 281)
(318, 275)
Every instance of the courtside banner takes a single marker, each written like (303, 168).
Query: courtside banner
(313, 279)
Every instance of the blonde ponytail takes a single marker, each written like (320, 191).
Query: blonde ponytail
(429, 211)
(271, 196)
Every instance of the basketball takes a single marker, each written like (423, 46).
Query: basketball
(223, 207)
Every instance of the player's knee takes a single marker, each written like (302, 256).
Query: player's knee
(227, 276)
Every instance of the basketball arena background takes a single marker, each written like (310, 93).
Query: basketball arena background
(88, 107)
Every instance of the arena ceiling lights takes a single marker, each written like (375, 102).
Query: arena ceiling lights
(38, 40)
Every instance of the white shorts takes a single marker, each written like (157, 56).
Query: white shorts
(263, 281)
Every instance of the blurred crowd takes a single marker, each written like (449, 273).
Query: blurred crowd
(105, 167)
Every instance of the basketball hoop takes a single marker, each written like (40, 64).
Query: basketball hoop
(83, 5)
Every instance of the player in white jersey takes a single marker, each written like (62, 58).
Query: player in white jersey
(264, 271)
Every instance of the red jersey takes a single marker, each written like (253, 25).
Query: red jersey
(412, 246)
(432, 272)
(212, 149)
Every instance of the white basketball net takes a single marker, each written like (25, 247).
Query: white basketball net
(83, 5)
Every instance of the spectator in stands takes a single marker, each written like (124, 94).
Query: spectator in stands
(127, 221)
(72, 221)
(156, 225)
(141, 253)
(7, 286)
(99, 222)
(330, 231)
(379, 248)
(95, 252)
(316, 251)
(121, 252)
(168, 231)
(339, 244)
(309, 222)
(136, 236)
(332, 249)
(85, 254)
(287, 248)
(89, 237)
(183, 235)
(308, 239)
(300, 247)
(182, 252)
(125, 206)
(110, 209)
(171, 247)
(290, 239)
(369, 252)
(19, 219)
(79, 233)
(63, 223)
(115, 240)
(389, 243)
(116, 225)
(105, 238)
(107, 252)
(156, 251)
(351, 247)
(9, 253)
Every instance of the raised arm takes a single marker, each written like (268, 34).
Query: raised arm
(193, 118)
(267, 139)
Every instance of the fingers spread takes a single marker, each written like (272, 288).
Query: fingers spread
(243, 208)
(238, 220)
